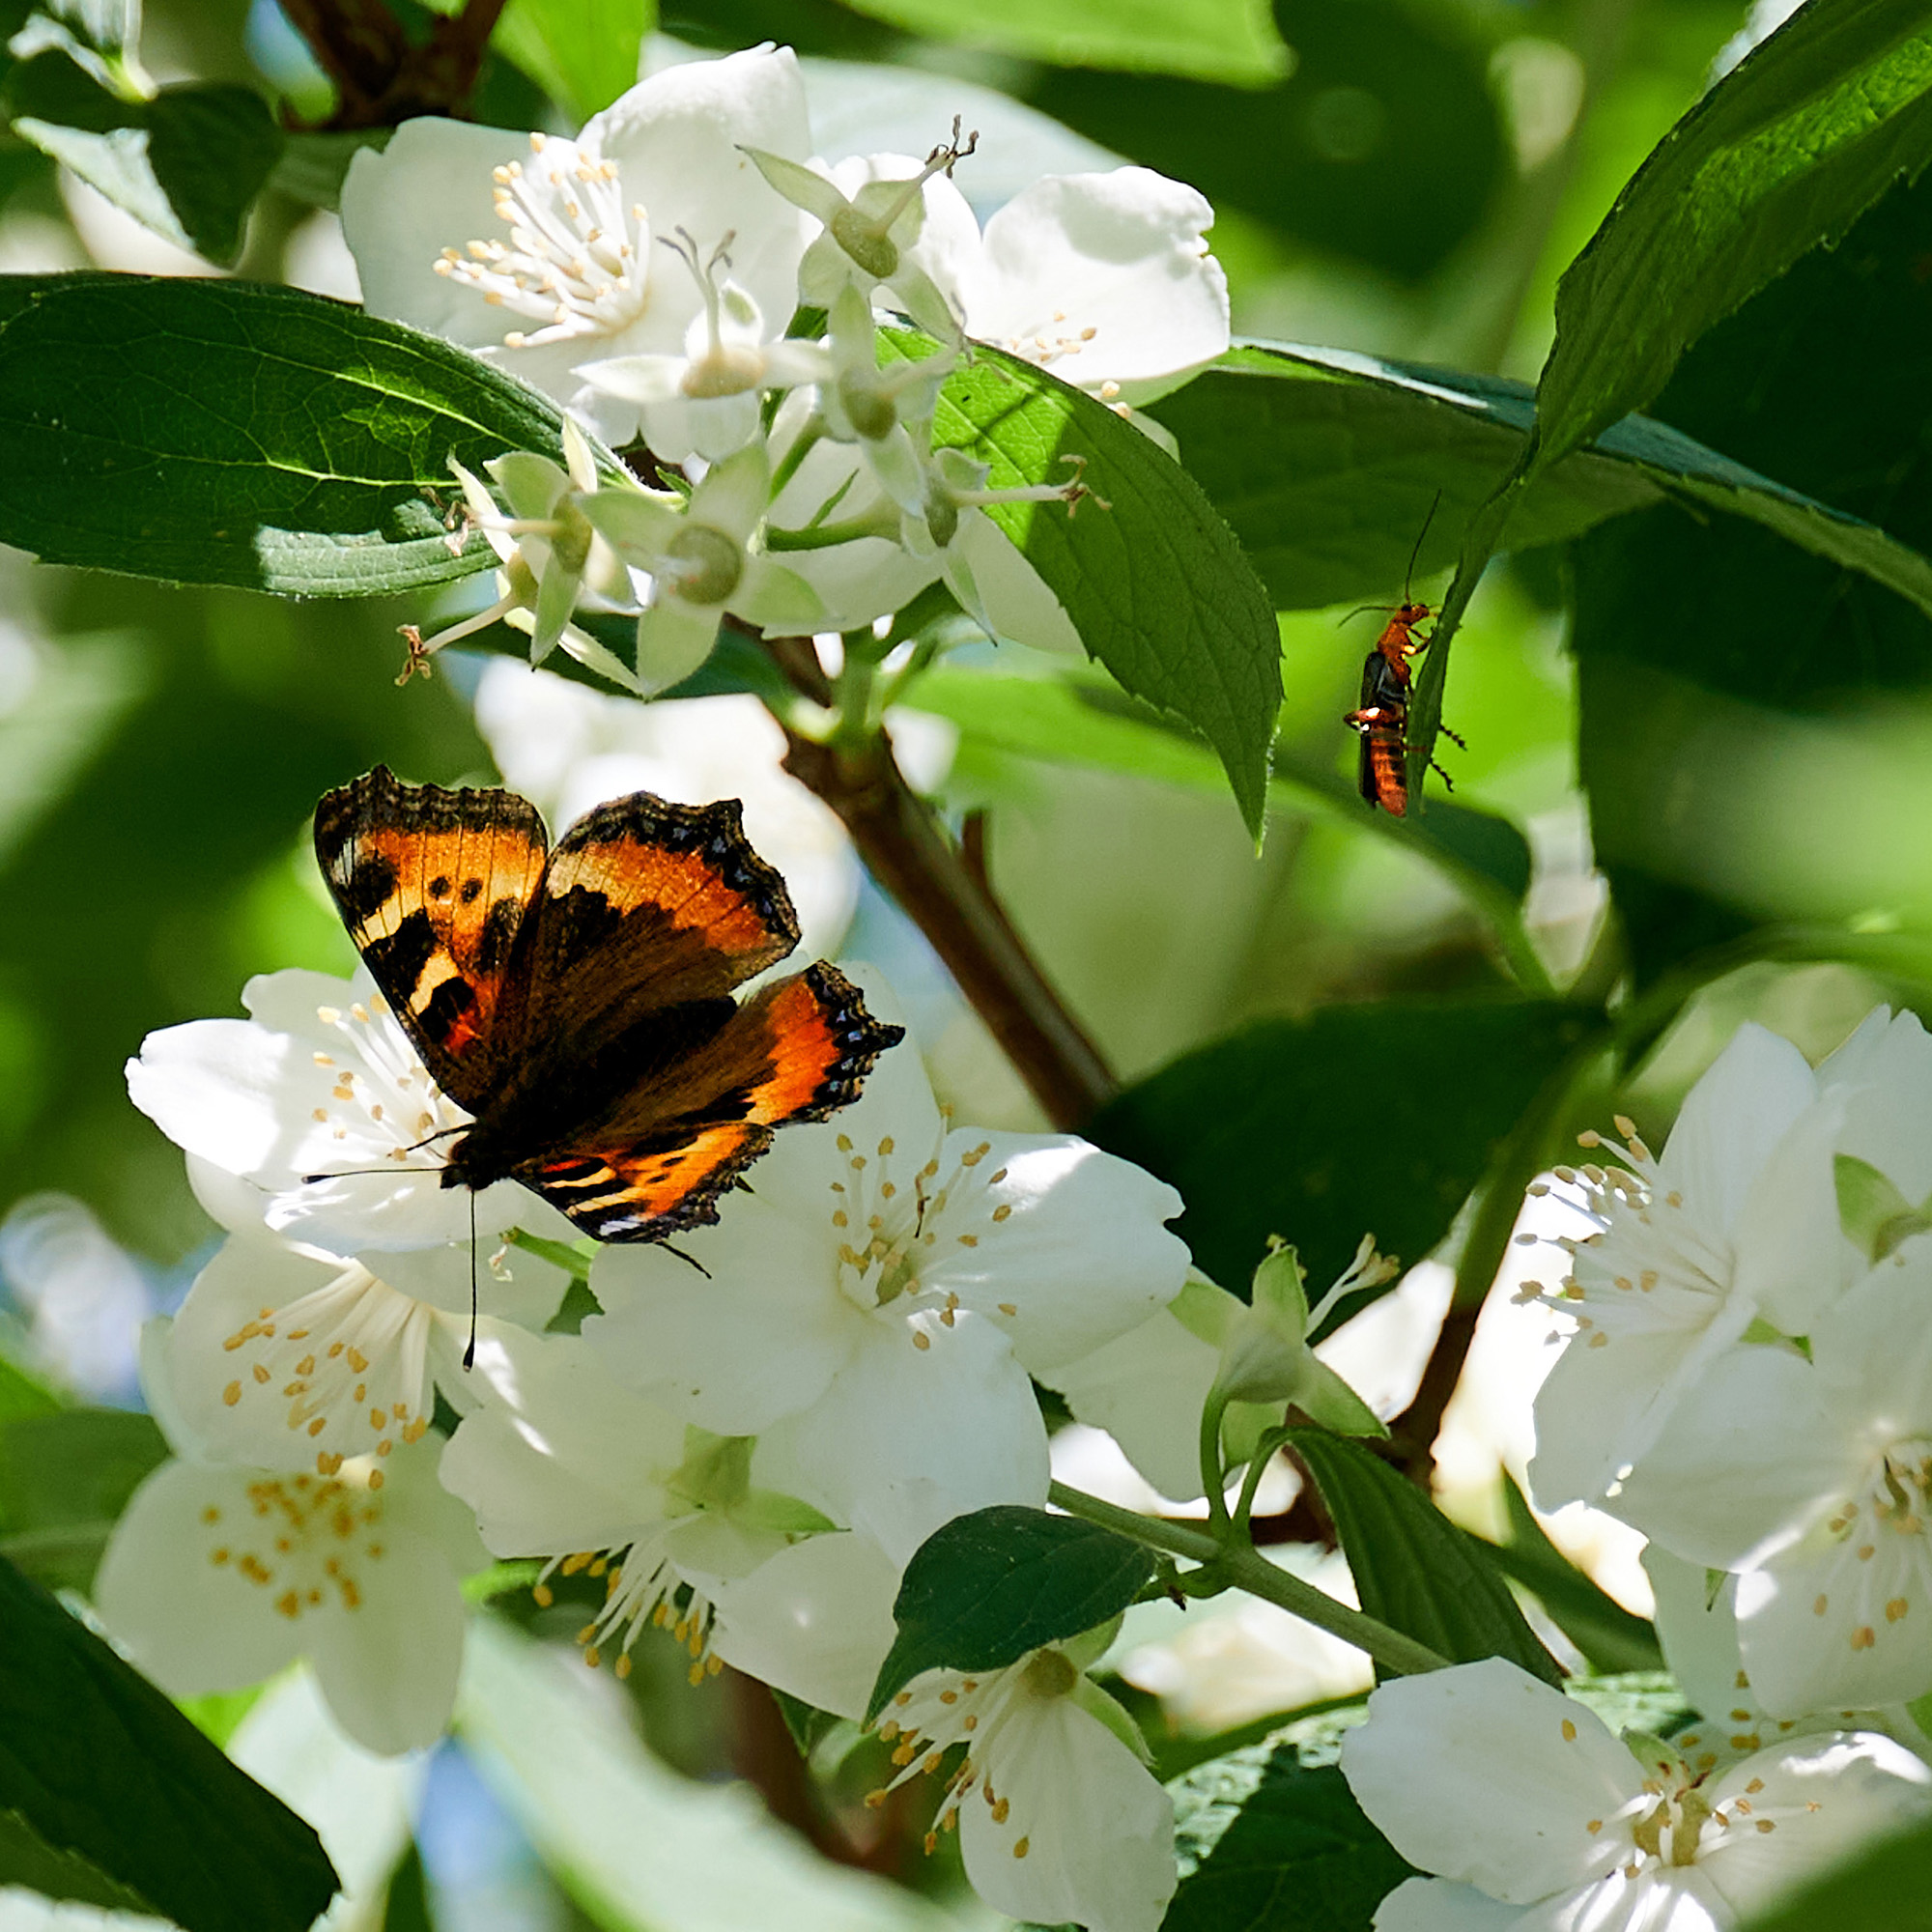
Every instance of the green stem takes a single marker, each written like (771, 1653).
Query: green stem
(1245, 1503)
(810, 432)
(1248, 1570)
(1213, 1476)
(822, 537)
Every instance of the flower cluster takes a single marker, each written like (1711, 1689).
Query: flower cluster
(1747, 1381)
(651, 272)
(743, 1445)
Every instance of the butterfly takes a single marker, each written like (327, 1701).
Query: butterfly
(578, 1000)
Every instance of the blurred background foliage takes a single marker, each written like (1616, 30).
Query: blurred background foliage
(1716, 750)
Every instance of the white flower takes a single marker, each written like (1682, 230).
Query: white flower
(1814, 1480)
(1102, 278)
(1058, 1816)
(567, 748)
(1520, 1798)
(289, 1357)
(218, 1575)
(456, 228)
(882, 1267)
(707, 399)
(549, 555)
(560, 1462)
(321, 1079)
(1738, 1219)
(886, 221)
(703, 563)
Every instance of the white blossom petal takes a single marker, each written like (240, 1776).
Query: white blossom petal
(1440, 1905)
(814, 1621)
(1103, 278)
(908, 1437)
(1085, 1833)
(735, 1353)
(1481, 1773)
(1743, 1469)
(1732, 1121)
(428, 189)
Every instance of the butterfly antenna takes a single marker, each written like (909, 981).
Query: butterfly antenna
(354, 1172)
(1408, 576)
(470, 1354)
(683, 1256)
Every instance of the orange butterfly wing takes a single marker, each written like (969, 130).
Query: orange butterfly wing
(434, 887)
(798, 1050)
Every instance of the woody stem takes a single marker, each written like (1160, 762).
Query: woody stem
(909, 852)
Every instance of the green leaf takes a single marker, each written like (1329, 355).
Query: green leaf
(1784, 153)
(64, 1480)
(1214, 40)
(1326, 464)
(28, 1859)
(987, 1587)
(807, 1723)
(1267, 1844)
(1413, 1568)
(186, 163)
(1692, 635)
(1886, 1888)
(582, 53)
(1155, 585)
(100, 1767)
(313, 166)
(1376, 1117)
(229, 433)
(1609, 1638)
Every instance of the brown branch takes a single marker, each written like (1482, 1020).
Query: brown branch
(908, 852)
(380, 78)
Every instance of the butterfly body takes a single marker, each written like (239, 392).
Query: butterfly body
(578, 1000)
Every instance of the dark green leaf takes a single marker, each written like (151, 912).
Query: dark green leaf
(211, 150)
(406, 1905)
(1692, 632)
(1887, 1888)
(186, 163)
(1219, 39)
(1787, 151)
(102, 1768)
(28, 1859)
(584, 53)
(64, 1479)
(229, 433)
(1361, 1118)
(1413, 1567)
(1155, 585)
(1267, 1844)
(1609, 1638)
(985, 1588)
(1382, 146)
(1327, 465)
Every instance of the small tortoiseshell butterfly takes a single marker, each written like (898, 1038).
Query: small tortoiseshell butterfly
(578, 1000)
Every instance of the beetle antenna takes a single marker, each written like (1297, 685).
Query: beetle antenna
(1408, 576)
